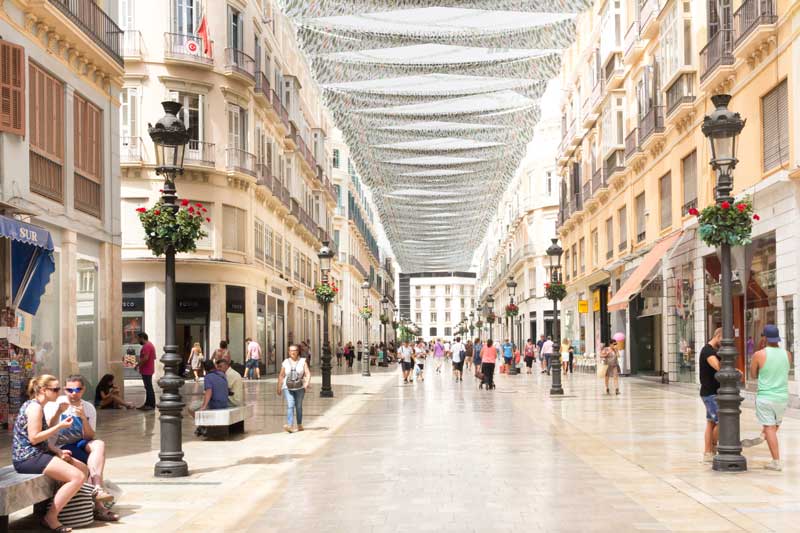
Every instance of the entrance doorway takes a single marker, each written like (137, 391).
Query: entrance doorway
(645, 340)
(189, 330)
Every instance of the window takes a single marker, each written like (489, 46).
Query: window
(258, 237)
(237, 127)
(595, 248)
(622, 217)
(12, 88)
(448, 332)
(665, 200)
(433, 332)
(609, 237)
(549, 183)
(447, 316)
(88, 153)
(447, 302)
(235, 29)
(278, 251)
(574, 260)
(676, 41)
(566, 264)
(418, 303)
(447, 289)
(129, 116)
(268, 244)
(186, 16)
(775, 126)
(296, 265)
(641, 223)
(191, 114)
(689, 172)
(287, 260)
(418, 317)
(336, 158)
(582, 254)
(233, 228)
(462, 303)
(46, 132)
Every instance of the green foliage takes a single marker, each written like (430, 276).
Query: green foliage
(179, 226)
(726, 223)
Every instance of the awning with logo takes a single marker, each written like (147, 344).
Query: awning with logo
(633, 285)
(32, 262)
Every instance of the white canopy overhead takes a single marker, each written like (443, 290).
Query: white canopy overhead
(437, 100)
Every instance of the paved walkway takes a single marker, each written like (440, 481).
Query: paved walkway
(444, 456)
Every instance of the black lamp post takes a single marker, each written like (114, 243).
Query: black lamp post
(365, 357)
(170, 137)
(325, 255)
(554, 252)
(471, 324)
(722, 127)
(512, 291)
(490, 307)
(385, 314)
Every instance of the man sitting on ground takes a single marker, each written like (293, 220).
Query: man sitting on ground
(79, 439)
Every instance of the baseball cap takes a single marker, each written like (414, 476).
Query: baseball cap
(771, 333)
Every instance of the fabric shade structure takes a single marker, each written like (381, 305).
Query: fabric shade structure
(437, 101)
(32, 262)
(633, 284)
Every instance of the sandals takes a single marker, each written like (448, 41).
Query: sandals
(105, 515)
(60, 528)
(99, 494)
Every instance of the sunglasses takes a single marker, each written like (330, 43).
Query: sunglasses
(54, 389)
(73, 390)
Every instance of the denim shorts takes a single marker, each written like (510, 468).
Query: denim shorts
(711, 408)
(769, 413)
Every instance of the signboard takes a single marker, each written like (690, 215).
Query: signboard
(596, 300)
(583, 306)
(192, 47)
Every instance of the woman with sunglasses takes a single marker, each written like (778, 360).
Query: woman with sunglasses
(32, 453)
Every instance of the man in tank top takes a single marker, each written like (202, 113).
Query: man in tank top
(771, 366)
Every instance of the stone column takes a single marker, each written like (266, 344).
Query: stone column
(69, 303)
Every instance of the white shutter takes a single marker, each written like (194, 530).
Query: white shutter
(775, 126)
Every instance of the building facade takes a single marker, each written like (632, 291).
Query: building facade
(257, 164)
(518, 237)
(354, 232)
(633, 161)
(61, 71)
(436, 302)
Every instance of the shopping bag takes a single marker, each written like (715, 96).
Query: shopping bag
(602, 368)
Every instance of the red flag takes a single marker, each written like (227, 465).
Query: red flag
(202, 31)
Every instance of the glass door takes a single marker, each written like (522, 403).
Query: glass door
(186, 15)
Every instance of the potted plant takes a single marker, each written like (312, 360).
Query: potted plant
(512, 310)
(726, 223)
(491, 317)
(164, 226)
(365, 311)
(326, 292)
(555, 291)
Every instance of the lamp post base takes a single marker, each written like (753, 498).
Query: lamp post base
(326, 394)
(171, 469)
(729, 463)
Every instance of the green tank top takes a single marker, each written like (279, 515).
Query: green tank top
(773, 377)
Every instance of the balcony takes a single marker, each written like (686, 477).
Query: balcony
(623, 246)
(754, 22)
(597, 95)
(278, 190)
(680, 97)
(239, 64)
(599, 182)
(130, 151)
(290, 141)
(613, 73)
(648, 14)
(88, 196)
(237, 160)
(200, 153)
(634, 44)
(264, 176)
(94, 23)
(577, 202)
(306, 155)
(651, 126)
(185, 48)
(361, 270)
(262, 89)
(132, 45)
(280, 111)
(632, 145)
(691, 204)
(641, 236)
(614, 165)
(586, 192)
(716, 58)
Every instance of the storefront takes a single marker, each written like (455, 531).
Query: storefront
(276, 330)
(132, 324)
(235, 321)
(193, 307)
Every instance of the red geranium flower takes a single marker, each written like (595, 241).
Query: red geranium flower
(694, 212)
(191, 209)
(756, 217)
(198, 205)
(157, 212)
(208, 219)
(741, 207)
(140, 209)
(184, 203)
(725, 205)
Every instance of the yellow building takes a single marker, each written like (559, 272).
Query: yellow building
(633, 161)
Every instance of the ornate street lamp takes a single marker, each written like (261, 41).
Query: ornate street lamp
(325, 255)
(471, 324)
(722, 127)
(554, 252)
(511, 285)
(365, 357)
(385, 314)
(490, 310)
(170, 137)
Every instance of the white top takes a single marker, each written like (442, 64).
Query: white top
(458, 351)
(547, 347)
(447, 347)
(75, 432)
(288, 365)
(236, 386)
(405, 352)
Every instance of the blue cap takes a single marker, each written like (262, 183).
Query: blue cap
(771, 333)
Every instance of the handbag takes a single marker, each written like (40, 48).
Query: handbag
(602, 368)
(294, 381)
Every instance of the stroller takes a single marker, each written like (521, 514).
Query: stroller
(482, 377)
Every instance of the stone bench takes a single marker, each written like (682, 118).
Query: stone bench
(230, 420)
(18, 491)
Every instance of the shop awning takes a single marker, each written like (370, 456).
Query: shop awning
(32, 261)
(634, 283)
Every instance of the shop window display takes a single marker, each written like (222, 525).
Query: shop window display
(686, 347)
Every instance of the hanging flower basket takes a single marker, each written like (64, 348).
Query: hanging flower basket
(512, 310)
(384, 319)
(491, 317)
(365, 312)
(395, 324)
(326, 292)
(479, 324)
(555, 291)
(726, 223)
(181, 229)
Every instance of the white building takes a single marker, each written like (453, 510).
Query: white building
(437, 301)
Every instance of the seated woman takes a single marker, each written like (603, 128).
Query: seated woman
(32, 453)
(108, 396)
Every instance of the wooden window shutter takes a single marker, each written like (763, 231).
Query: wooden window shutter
(12, 88)
(775, 126)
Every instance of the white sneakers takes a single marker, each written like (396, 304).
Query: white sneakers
(775, 465)
(708, 457)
